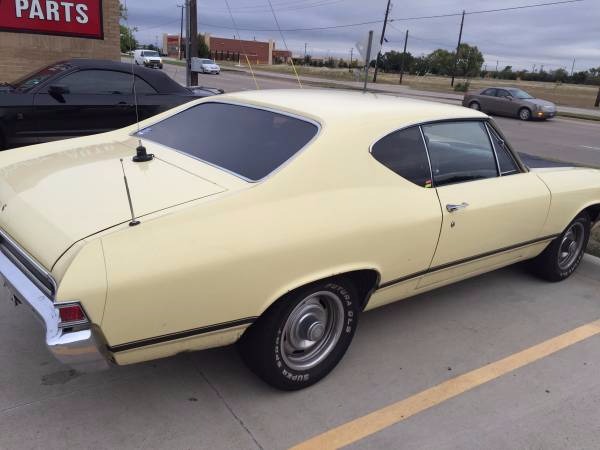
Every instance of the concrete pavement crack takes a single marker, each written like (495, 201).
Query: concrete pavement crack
(229, 408)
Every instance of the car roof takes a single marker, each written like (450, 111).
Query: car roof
(345, 106)
(158, 79)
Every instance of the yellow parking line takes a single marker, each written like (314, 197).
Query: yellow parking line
(376, 421)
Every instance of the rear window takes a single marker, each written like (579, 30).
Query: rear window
(246, 141)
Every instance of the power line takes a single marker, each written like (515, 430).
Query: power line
(377, 21)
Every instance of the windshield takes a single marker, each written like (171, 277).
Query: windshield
(32, 79)
(518, 93)
(207, 61)
(246, 141)
(150, 53)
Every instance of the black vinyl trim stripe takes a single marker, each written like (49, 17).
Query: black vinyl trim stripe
(180, 335)
(465, 260)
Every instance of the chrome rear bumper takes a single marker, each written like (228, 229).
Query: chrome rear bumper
(84, 349)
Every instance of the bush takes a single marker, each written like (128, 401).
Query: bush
(462, 87)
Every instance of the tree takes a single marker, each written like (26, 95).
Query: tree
(440, 62)
(203, 50)
(469, 61)
(128, 40)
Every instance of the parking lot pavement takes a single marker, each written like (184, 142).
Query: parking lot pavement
(208, 400)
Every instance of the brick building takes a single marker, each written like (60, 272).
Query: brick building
(38, 32)
(171, 45)
(258, 52)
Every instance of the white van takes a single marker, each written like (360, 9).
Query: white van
(148, 58)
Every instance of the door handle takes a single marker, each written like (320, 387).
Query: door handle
(453, 208)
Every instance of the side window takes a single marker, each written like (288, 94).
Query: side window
(404, 152)
(491, 92)
(141, 87)
(459, 152)
(98, 82)
(501, 93)
(507, 164)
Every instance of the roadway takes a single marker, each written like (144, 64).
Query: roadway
(568, 140)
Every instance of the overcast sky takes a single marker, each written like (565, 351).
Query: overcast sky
(549, 35)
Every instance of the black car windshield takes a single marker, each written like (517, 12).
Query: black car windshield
(518, 93)
(150, 53)
(243, 140)
(31, 80)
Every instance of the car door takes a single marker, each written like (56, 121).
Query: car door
(487, 100)
(88, 102)
(414, 215)
(488, 209)
(505, 103)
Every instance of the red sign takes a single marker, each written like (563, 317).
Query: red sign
(78, 18)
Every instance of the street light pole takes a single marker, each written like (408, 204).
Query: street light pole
(194, 39)
(462, 22)
(188, 65)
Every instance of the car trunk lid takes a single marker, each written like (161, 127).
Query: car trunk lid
(50, 202)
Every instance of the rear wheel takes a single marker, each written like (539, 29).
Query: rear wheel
(564, 254)
(302, 337)
(475, 105)
(525, 114)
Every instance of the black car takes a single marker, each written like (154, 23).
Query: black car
(84, 96)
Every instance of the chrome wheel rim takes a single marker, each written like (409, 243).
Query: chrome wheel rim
(571, 246)
(312, 330)
(475, 106)
(524, 114)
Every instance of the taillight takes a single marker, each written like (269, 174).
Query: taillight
(71, 314)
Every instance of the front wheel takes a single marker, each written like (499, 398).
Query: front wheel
(560, 259)
(302, 337)
(524, 114)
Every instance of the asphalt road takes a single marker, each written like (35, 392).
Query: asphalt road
(567, 140)
(209, 400)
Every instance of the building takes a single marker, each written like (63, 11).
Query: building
(170, 45)
(34, 33)
(257, 52)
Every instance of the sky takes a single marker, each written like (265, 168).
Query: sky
(552, 36)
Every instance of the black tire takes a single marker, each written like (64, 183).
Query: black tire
(475, 105)
(525, 114)
(267, 347)
(552, 264)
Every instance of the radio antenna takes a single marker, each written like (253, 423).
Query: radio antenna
(134, 220)
(141, 154)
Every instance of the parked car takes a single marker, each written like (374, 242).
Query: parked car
(83, 96)
(209, 66)
(510, 101)
(264, 220)
(148, 58)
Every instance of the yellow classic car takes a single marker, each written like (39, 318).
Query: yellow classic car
(272, 219)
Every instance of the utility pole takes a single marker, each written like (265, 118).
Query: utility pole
(188, 60)
(194, 39)
(305, 45)
(541, 68)
(368, 59)
(181, 31)
(387, 12)
(497, 66)
(462, 22)
(351, 53)
(403, 56)
(573, 67)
